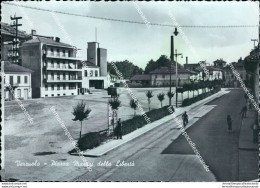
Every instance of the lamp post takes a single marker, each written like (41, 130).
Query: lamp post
(176, 55)
(172, 59)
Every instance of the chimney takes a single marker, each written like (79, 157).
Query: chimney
(186, 59)
(33, 32)
(57, 39)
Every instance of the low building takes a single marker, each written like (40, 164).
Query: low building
(229, 77)
(19, 79)
(215, 73)
(113, 80)
(141, 79)
(161, 76)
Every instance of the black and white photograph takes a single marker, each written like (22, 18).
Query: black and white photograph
(130, 91)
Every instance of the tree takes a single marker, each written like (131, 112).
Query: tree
(170, 96)
(163, 61)
(161, 97)
(133, 104)
(115, 104)
(149, 95)
(81, 112)
(127, 68)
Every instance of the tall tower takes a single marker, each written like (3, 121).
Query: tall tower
(92, 52)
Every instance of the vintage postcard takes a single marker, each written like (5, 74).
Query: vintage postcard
(130, 91)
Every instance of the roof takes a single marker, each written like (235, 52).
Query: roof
(10, 67)
(140, 77)
(254, 56)
(210, 68)
(47, 41)
(89, 64)
(166, 70)
(6, 29)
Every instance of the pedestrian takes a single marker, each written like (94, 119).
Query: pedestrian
(243, 112)
(185, 119)
(119, 129)
(255, 128)
(229, 122)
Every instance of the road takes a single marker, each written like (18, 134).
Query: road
(163, 155)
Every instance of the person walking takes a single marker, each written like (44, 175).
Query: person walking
(119, 129)
(243, 112)
(185, 119)
(255, 128)
(229, 122)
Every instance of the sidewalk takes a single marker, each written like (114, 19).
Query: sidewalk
(248, 152)
(113, 144)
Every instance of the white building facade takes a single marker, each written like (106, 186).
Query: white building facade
(55, 66)
(19, 79)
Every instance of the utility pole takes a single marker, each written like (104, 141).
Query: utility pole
(176, 55)
(15, 42)
(172, 52)
(254, 40)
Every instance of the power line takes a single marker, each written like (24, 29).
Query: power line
(131, 21)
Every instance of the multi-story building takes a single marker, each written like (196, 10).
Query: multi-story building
(94, 70)
(8, 35)
(56, 68)
(19, 79)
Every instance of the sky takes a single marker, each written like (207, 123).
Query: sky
(141, 43)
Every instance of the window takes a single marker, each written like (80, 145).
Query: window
(58, 87)
(52, 76)
(25, 79)
(58, 52)
(58, 64)
(64, 86)
(52, 52)
(52, 64)
(18, 79)
(86, 73)
(163, 76)
(11, 80)
(69, 53)
(46, 87)
(64, 66)
(91, 73)
(72, 86)
(52, 87)
(63, 53)
(58, 76)
(96, 73)
(64, 76)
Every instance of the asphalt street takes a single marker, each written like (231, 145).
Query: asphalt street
(165, 155)
(218, 147)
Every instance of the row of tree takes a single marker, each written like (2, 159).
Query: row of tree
(128, 69)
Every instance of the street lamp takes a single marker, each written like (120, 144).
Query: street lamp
(172, 59)
(176, 55)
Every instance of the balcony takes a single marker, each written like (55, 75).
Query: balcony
(59, 56)
(79, 79)
(61, 68)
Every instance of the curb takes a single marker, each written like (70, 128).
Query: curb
(93, 153)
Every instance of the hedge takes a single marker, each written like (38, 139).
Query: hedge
(187, 102)
(139, 121)
(90, 141)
